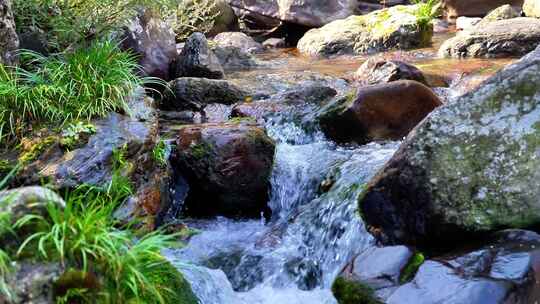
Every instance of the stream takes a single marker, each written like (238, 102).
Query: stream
(294, 257)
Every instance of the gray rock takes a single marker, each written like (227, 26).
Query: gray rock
(469, 168)
(234, 59)
(502, 38)
(392, 28)
(274, 43)
(376, 70)
(33, 283)
(501, 13)
(502, 271)
(467, 23)
(198, 60)
(34, 39)
(312, 13)
(28, 200)
(531, 8)
(153, 41)
(195, 93)
(9, 41)
(237, 40)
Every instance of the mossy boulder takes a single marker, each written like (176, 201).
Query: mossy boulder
(531, 8)
(495, 39)
(470, 168)
(392, 28)
(227, 167)
(378, 112)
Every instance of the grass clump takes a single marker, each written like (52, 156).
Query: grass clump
(160, 153)
(351, 292)
(426, 11)
(81, 85)
(194, 16)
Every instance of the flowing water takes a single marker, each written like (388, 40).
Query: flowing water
(313, 232)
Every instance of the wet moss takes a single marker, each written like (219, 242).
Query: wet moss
(201, 150)
(351, 292)
(169, 278)
(37, 149)
(409, 271)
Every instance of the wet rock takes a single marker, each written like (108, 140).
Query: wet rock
(225, 20)
(468, 169)
(238, 40)
(195, 93)
(227, 167)
(531, 8)
(310, 13)
(467, 23)
(233, 58)
(375, 71)
(502, 38)
(501, 13)
(33, 282)
(9, 41)
(378, 112)
(475, 8)
(379, 268)
(153, 42)
(28, 200)
(504, 271)
(274, 43)
(198, 60)
(392, 28)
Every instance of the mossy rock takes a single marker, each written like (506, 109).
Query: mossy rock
(176, 288)
(352, 292)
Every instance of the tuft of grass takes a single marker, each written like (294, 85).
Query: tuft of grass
(426, 11)
(194, 16)
(411, 268)
(81, 85)
(5, 269)
(160, 153)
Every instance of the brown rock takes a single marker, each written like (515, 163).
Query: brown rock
(378, 112)
(376, 70)
(227, 167)
(475, 8)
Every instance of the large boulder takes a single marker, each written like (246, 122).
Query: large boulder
(227, 167)
(198, 60)
(392, 28)
(378, 112)
(195, 93)
(531, 8)
(376, 70)
(475, 8)
(153, 41)
(501, 13)
(312, 13)
(238, 40)
(9, 41)
(470, 168)
(502, 38)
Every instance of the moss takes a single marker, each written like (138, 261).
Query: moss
(201, 150)
(176, 288)
(5, 167)
(350, 292)
(239, 120)
(409, 271)
(37, 149)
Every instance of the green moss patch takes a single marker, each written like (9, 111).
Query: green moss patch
(350, 292)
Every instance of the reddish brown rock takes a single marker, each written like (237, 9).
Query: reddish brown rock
(227, 167)
(386, 111)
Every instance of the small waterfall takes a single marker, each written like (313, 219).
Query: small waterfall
(312, 235)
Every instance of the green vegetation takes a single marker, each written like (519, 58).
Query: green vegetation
(69, 24)
(85, 84)
(194, 16)
(75, 133)
(411, 268)
(351, 292)
(159, 153)
(426, 11)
